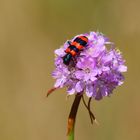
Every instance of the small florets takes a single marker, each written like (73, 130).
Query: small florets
(96, 70)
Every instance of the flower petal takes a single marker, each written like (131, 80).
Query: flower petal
(89, 90)
(122, 68)
(79, 74)
(60, 82)
(60, 52)
(79, 86)
(71, 90)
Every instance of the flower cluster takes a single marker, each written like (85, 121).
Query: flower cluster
(97, 71)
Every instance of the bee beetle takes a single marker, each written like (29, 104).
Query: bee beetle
(74, 48)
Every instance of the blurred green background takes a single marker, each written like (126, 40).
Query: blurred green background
(30, 31)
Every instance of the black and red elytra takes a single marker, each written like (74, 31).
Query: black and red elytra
(74, 48)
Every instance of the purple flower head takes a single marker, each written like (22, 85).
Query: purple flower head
(95, 70)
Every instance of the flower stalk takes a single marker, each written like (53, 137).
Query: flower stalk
(71, 135)
(72, 116)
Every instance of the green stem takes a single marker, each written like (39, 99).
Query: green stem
(71, 135)
(72, 116)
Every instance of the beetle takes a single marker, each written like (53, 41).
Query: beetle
(74, 48)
